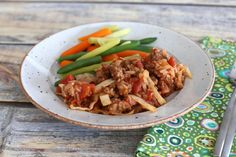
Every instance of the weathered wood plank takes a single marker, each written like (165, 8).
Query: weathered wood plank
(31, 132)
(185, 2)
(11, 57)
(31, 22)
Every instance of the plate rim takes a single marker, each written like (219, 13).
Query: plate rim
(118, 127)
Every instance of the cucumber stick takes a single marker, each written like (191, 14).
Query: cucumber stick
(100, 41)
(90, 68)
(101, 49)
(119, 33)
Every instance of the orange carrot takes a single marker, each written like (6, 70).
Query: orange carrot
(100, 33)
(92, 47)
(110, 57)
(65, 63)
(77, 48)
(132, 52)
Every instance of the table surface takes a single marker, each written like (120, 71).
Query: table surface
(28, 132)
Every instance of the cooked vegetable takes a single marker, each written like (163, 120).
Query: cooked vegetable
(87, 69)
(86, 90)
(120, 48)
(171, 61)
(105, 99)
(56, 83)
(133, 56)
(65, 63)
(65, 80)
(71, 57)
(80, 64)
(132, 52)
(91, 48)
(77, 48)
(100, 41)
(91, 105)
(119, 33)
(100, 33)
(126, 42)
(187, 72)
(101, 49)
(143, 48)
(143, 41)
(148, 40)
(113, 28)
(143, 103)
(103, 84)
(151, 85)
(110, 57)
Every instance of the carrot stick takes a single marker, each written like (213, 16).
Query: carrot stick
(65, 62)
(92, 47)
(100, 33)
(77, 48)
(131, 52)
(110, 57)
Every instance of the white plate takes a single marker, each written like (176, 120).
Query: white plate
(36, 77)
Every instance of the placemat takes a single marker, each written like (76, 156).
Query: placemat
(194, 134)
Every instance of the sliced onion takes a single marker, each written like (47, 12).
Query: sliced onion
(187, 72)
(151, 85)
(91, 105)
(105, 99)
(104, 83)
(143, 103)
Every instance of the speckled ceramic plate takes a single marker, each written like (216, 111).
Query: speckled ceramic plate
(38, 74)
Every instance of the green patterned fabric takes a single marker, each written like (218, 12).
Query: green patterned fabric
(194, 134)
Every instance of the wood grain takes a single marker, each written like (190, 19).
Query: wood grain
(11, 57)
(172, 2)
(30, 132)
(31, 22)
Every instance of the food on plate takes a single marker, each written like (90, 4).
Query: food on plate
(117, 76)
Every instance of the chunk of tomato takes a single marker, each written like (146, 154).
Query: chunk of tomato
(149, 95)
(171, 61)
(67, 79)
(137, 85)
(87, 90)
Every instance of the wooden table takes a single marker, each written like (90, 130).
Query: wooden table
(25, 130)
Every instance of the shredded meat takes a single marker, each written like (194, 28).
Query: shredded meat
(103, 73)
(119, 106)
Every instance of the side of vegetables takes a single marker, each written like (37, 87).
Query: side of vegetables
(103, 45)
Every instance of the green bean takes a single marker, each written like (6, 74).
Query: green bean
(79, 64)
(57, 83)
(143, 48)
(71, 57)
(143, 41)
(148, 40)
(121, 48)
